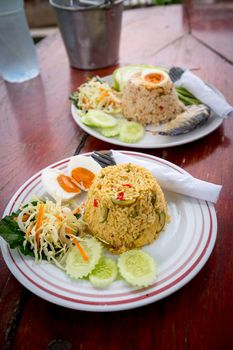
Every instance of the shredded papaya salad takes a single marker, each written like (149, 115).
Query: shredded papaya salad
(99, 107)
(51, 230)
(97, 95)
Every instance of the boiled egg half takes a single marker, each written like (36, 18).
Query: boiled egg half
(80, 174)
(155, 76)
(82, 170)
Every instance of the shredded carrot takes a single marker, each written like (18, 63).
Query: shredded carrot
(68, 230)
(76, 211)
(59, 217)
(102, 96)
(38, 223)
(81, 250)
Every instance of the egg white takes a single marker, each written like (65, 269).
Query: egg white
(51, 185)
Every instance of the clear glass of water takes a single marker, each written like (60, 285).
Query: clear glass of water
(18, 60)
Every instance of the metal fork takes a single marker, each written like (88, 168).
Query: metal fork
(175, 73)
(104, 158)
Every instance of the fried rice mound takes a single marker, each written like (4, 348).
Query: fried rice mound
(125, 207)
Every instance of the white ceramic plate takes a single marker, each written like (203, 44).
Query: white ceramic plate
(149, 140)
(180, 251)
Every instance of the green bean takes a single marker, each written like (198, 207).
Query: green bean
(186, 97)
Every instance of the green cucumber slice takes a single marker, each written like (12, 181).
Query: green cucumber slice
(123, 202)
(76, 266)
(100, 119)
(114, 130)
(103, 213)
(85, 120)
(131, 132)
(162, 221)
(123, 74)
(104, 273)
(137, 268)
(111, 132)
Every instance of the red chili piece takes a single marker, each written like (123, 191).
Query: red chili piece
(127, 185)
(95, 203)
(120, 196)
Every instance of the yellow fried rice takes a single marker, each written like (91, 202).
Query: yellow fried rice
(125, 207)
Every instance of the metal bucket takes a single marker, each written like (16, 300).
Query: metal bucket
(91, 33)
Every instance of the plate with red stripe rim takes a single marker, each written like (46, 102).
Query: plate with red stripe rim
(181, 251)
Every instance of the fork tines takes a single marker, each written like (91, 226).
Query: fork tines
(175, 73)
(104, 158)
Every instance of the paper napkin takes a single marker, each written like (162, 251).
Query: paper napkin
(173, 180)
(205, 94)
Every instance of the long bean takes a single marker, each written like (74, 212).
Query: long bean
(186, 97)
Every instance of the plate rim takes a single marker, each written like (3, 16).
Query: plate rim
(112, 140)
(201, 260)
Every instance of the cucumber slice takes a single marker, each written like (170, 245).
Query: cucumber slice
(137, 268)
(103, 213)
(114, 130)
(123, 202)
(104, 273)
(85, 120)
(162, 221)
(131, 132)
(111, 132)
(100, 119)
(123, 74)
(76, 266)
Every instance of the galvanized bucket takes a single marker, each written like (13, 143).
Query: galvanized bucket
(91, 32)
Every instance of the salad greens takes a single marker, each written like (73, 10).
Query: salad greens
(11, 233)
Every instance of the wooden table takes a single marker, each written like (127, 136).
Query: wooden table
(37, 129)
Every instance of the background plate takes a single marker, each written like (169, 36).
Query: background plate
(149, 140)
(180, 251)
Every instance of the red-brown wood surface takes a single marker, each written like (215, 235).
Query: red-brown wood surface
(212, 25)
(37, 129)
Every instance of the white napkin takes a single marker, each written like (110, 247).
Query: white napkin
(204, 93)
(172, 180)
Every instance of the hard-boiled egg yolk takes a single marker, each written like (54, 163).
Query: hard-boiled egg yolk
(67, 184)
(83, 176)
(154, 78)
